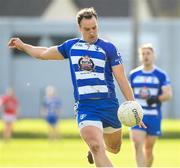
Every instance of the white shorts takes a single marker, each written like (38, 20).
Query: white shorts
(98, 124)
(9, 118)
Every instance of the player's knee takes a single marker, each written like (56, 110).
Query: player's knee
(137, 140)
(148, 150)
(138, 145)
(95, 147)
(115, 148)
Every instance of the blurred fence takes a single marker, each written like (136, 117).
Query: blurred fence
(29, 77)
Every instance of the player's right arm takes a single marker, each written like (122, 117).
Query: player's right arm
(44, 53)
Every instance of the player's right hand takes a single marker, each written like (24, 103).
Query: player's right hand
(16, 43)
(142, 125)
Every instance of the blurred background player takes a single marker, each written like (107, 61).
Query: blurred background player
(151, 87)
(10, 105)
(51, 111)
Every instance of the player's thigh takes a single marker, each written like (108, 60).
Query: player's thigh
(137, 136)
(150, 141)
(92, 135)
(113, 139)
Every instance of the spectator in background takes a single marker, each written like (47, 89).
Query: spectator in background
(10, 105)
(51, 111)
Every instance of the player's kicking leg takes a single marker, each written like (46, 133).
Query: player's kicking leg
(113, 144)
(93, 136)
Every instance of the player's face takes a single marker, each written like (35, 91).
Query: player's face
(147, 57)
(88, 29)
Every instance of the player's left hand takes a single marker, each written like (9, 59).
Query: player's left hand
(152, 100)
(142, 125)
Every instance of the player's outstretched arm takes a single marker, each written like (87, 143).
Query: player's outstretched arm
(44, 53)
(124, 85)
(119, 74)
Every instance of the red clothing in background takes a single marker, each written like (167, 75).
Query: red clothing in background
(10, 104)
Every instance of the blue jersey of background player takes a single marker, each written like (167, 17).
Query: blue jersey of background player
(52, 105)
(93, 62)
(151, 87)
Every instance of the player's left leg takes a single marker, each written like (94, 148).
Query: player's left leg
(53, 127)
(154, 131)
(148, 149)
(8, 125)
(93, 136)
(52, 132)
(113, 141)
(137, 136)
(112, 132)
(7, 130)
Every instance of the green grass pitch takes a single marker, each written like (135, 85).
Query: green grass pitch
(30, 147)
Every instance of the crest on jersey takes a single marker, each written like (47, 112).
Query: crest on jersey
(82, 116)
(144, 93)
(86, 64)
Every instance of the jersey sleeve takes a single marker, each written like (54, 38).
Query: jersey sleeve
(114, 55)
(165, 80)
(63, 49)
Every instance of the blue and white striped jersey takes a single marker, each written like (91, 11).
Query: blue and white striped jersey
(146, 84)
(91, 67)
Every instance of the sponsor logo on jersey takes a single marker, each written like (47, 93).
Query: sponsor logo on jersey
(86, 64)
(144, 93)
(82, 116)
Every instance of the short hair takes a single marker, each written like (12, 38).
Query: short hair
(87, 13)
(146, 46)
